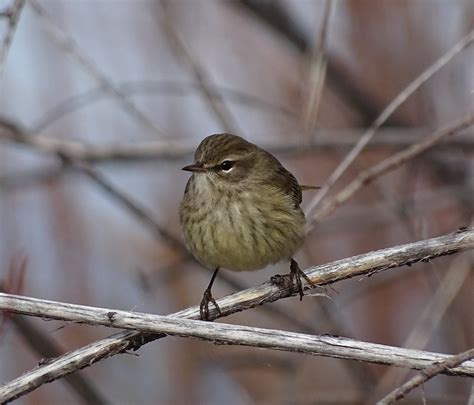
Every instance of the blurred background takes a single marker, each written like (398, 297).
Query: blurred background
(302, 78)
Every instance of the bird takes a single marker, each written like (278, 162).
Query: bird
(241, 211)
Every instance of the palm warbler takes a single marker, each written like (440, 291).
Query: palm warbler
(241, 210)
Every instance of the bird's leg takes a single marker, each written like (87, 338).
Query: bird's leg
(207, 298)
(295, 274)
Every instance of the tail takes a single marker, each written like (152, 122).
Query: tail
(304, 188)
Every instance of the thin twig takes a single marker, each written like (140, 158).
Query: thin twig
(387, 165)
(386, 113)
(436, 368)
(275, 15)
(470, 401)
(160, 87)
(69, 45)
(317, 72)
(429, 320)
(13, 16)
(139, 211)
(216, 104)
(369, 263)
(13, 132)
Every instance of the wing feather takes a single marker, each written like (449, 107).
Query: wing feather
(288, 183)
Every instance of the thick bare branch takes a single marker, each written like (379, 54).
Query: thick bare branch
(369, 263)
(328, 346)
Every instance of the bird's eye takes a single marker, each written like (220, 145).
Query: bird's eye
(226, 165)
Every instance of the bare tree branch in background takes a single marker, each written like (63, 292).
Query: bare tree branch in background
(70, 46)
(213, 100)
(327, 140)
(275, 15)
(13, 132)
(13, 16)
(317, 72)
(369, 263)
(436, 368)
(430, 318)
(387, 165)
(163, 88)
(385, 114)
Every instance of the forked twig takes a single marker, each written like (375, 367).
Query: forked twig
(387, 165)
(386, 113)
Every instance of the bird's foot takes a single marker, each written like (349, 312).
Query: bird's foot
(204, 305)
(284, 281)
(295, 275)
(289, 280)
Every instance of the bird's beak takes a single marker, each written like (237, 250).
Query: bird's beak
(195, 167)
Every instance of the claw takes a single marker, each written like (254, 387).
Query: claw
(204, 305)
(207, 298)
(295, 274)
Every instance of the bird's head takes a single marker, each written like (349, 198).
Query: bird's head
(228, 159)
